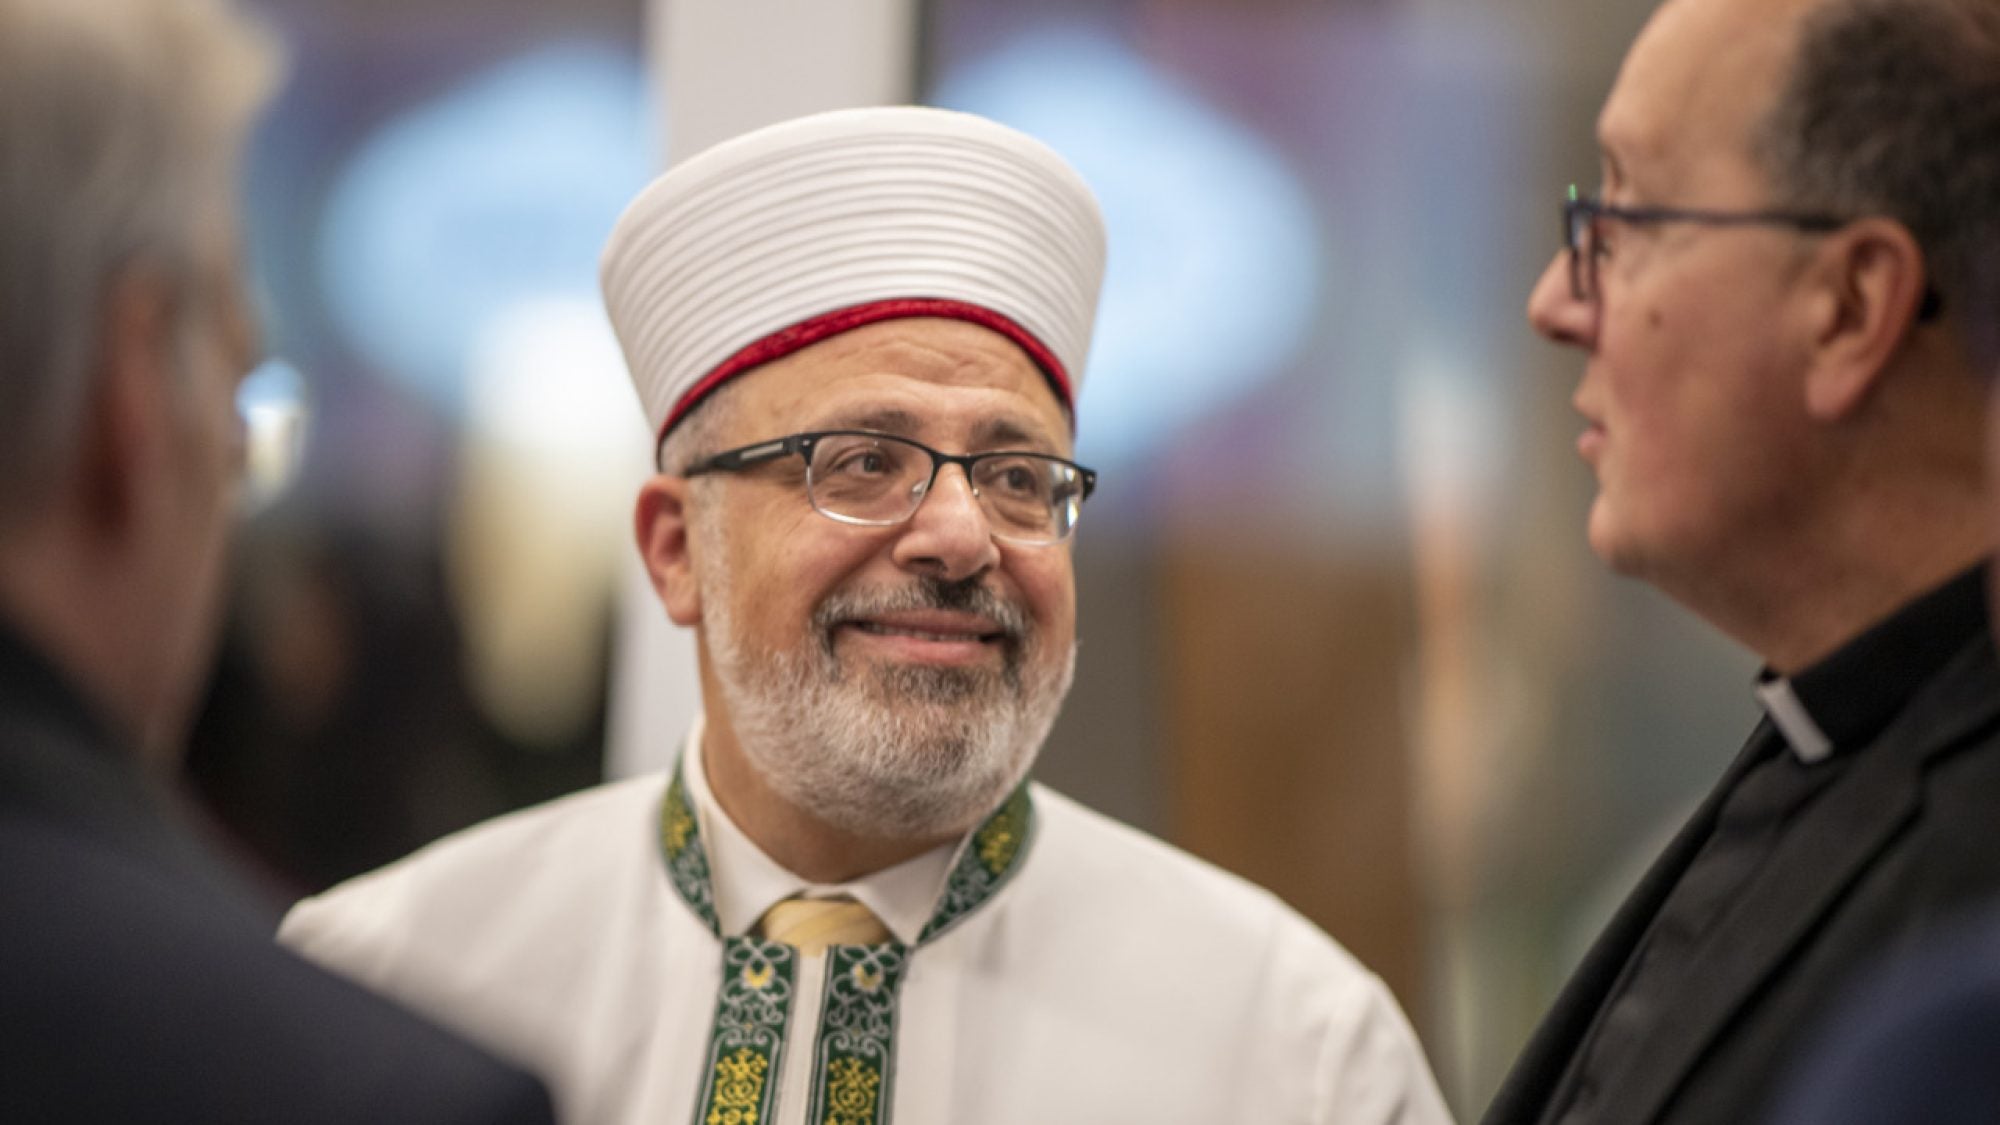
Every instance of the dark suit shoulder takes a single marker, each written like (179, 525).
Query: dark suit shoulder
(133, 995)
(1917, 1043)
(1952, 852)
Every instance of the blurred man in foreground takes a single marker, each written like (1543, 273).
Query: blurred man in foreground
(859, 336)
(1772, 291)
(138, 981)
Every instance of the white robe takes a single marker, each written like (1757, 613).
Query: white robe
(1110, 979)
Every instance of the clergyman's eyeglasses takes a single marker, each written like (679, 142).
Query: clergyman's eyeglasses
(1584, 217)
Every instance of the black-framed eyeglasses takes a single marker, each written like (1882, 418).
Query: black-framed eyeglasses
(875, 480)
(1583, 216)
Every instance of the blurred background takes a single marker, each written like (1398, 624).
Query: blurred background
(1341, 631)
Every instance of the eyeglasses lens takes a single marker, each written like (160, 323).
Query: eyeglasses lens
(880, 480)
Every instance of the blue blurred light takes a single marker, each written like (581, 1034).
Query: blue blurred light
(1214, 254)
(501, 191)
(271, 401)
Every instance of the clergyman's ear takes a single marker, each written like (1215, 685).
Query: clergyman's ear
(1871, 274)
(660, 522)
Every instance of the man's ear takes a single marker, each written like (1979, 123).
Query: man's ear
(660, 522)
(1871, 283)
(129, 409)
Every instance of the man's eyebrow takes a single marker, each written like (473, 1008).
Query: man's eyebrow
(1003, 433)
(988, 433)
(887, 420)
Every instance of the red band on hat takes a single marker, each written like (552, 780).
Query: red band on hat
(805, 333)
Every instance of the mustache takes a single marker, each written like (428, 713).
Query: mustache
(965, 596)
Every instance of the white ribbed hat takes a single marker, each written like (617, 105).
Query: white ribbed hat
(782, 237)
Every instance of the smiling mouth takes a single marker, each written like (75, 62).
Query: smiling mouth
(880, 630)
(925, 635)
(928, 622)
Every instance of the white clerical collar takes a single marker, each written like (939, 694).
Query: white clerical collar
(747, 882)
(1790, 716)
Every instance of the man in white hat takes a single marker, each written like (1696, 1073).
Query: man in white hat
(859, 337)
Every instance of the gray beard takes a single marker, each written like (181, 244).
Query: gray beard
(895, 752)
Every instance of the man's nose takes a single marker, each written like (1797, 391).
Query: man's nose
(1554, 309)
(949, 535)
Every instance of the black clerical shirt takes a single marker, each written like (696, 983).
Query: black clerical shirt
(1815, 722)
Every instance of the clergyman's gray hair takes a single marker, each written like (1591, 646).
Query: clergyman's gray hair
(1893, 108)
(122, 126)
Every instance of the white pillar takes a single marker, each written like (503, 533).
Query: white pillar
(725, 67)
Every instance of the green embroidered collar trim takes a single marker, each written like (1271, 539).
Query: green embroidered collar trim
(687, 859)
(985, 863)
(854, 1048)
(747, 1043)
(855, 1054)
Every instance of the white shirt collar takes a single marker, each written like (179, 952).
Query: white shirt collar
(747, 882)
(1793, 721)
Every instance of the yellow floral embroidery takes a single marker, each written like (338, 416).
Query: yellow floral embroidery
(998, 842)
(739, 1088)
(757, 976)
(851, 1089)
(867, 979)
(678, 824)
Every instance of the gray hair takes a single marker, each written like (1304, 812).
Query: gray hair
(701, 432)
(1893, 108)
(122, 125)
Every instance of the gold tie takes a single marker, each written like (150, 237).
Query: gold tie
(812, 924)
